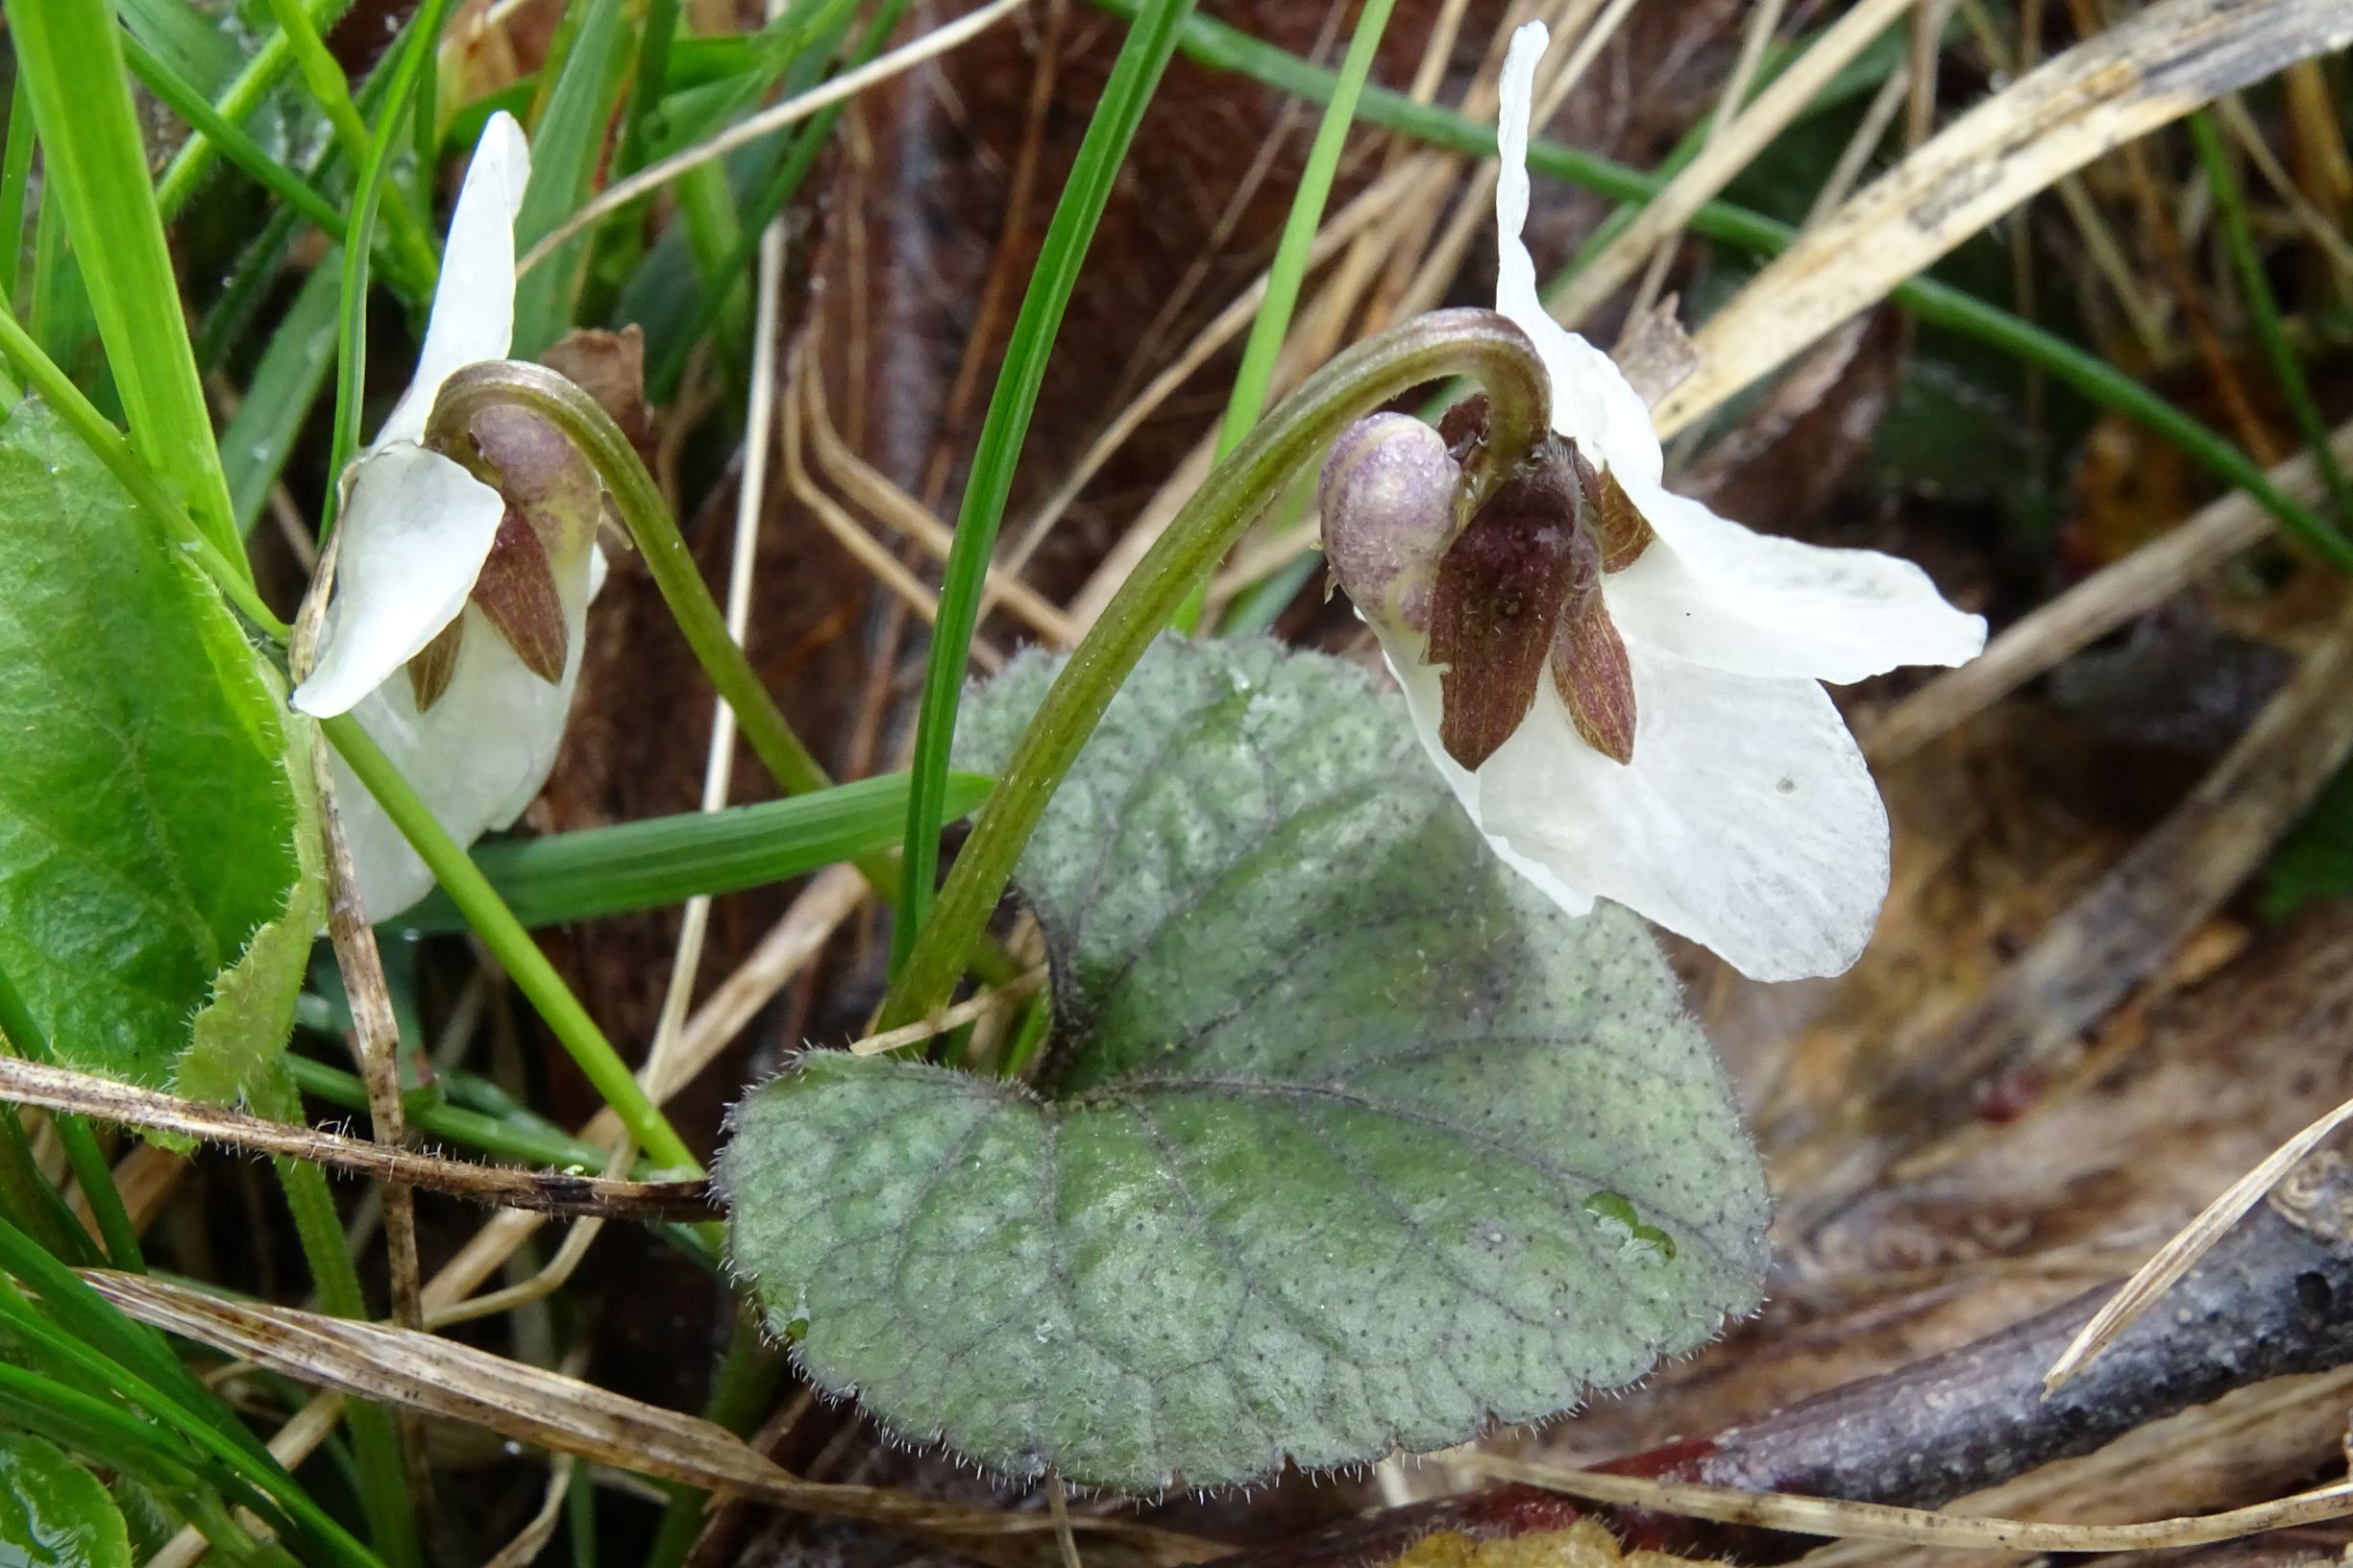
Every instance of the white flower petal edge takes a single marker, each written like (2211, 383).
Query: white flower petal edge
(1708, 589)
(473, 305)
(1713, 592)
(414, 536)
(1747, 821)
(479, 756)
(1592, 404)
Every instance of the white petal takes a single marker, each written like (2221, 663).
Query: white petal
(1747, 820)
(1717, 594)
(1422, 704)
(1593, 405)
(413, 538)
(478, 756)
(473, 305)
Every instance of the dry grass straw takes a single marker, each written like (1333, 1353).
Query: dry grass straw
(864, 548)
(539, 1530)
(805, 927)
(2094, 607)
(848, 84)
(2108, 942)
(1725, 155)
(1392, 213)
(988, 1004)
(2145, 71)
(2178, 1256)
(551, 1411)
(1916, 1526)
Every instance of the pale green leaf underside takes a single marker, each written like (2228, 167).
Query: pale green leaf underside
(1343, 1134)
(53, 1512)
(146, 825)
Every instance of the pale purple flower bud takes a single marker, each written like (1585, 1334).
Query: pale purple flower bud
(1389, 495)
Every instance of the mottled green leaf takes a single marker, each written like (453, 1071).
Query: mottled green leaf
(53, 1512)
(146, 823)
(1346, 1137)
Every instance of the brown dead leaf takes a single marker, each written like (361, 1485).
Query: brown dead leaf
(610, 367)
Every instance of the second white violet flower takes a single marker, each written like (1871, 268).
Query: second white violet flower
(1624, 689)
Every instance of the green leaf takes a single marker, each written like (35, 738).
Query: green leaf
(1346, 1137)
(53, 1512)
(146, 823)
(2314, 862)
(245, 1026)
(607, 870)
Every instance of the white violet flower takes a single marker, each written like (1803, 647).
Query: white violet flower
(1623, 688)
(455, 632)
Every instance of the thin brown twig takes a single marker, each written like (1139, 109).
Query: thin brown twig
(377, 1040)
(549, 1193)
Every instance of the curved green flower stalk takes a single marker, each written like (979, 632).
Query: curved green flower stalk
(1478, 344)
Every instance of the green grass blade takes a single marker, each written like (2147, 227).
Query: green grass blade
(16, 184)
(653, 43)
(2262, 306)
(139, 1351)
(775, 193)
(190, 43)
(512, 946)
(1151, 40)
(415, 56)
(254, 84)
(32, 1202)
(285, 383)
(607, 870)
(566, 145)
(261, 1481)
(334, 1277)
(332, 92)
(92, 1426)
(1226, 48)
(183, 99)
(81, 1152)
(61, 308)
(1290, 263)
(1268, 329)
(70, 55)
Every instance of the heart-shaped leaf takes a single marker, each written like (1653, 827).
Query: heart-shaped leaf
(147, 813)
(1345, 1139)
